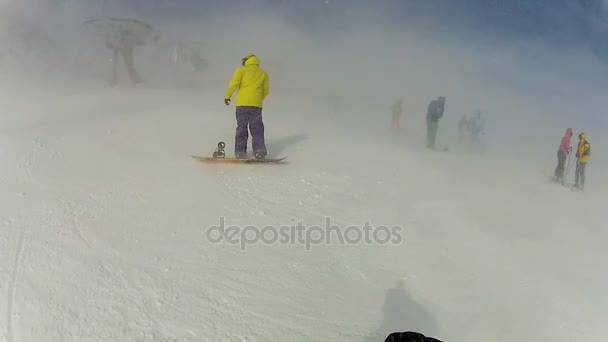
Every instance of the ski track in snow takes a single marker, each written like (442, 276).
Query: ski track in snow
(28, 160)
(74, 224)
(26, 163)
(275, 293)
(12, 292)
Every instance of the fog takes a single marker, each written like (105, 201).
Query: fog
(367, 55)
(97, 181)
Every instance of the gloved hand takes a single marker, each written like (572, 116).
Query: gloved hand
(227, 102)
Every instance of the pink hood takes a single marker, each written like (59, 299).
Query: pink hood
(565, 145)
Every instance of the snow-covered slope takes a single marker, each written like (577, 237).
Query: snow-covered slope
(104, 217)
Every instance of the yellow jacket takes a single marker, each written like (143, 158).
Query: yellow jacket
(252, 84)
(584, 149)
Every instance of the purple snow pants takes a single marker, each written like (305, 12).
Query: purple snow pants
(249, 119)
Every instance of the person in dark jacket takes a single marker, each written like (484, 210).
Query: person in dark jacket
(409, 336)
(433, 115)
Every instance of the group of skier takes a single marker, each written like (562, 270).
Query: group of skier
(434, 113)
(253, 86)
(474, 127)
(582, 154)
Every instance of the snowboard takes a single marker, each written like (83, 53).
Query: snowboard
(212, 160)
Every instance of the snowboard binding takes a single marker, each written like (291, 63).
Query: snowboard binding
(219, 152)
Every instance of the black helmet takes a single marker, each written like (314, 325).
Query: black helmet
(244, 59)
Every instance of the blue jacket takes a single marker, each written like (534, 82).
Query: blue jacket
(435, 110)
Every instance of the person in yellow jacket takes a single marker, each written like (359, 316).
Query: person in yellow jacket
(253, 88)
(582, 158)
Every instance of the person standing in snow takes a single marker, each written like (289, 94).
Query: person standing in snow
(583, 152)
(397, 111)
(434, 114)
(253, 87)
(476, 127)
(463, 127)
(563, 151)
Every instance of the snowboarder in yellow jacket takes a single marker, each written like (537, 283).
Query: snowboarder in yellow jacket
(253, 86)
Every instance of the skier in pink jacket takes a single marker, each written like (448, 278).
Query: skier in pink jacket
(562, 152)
